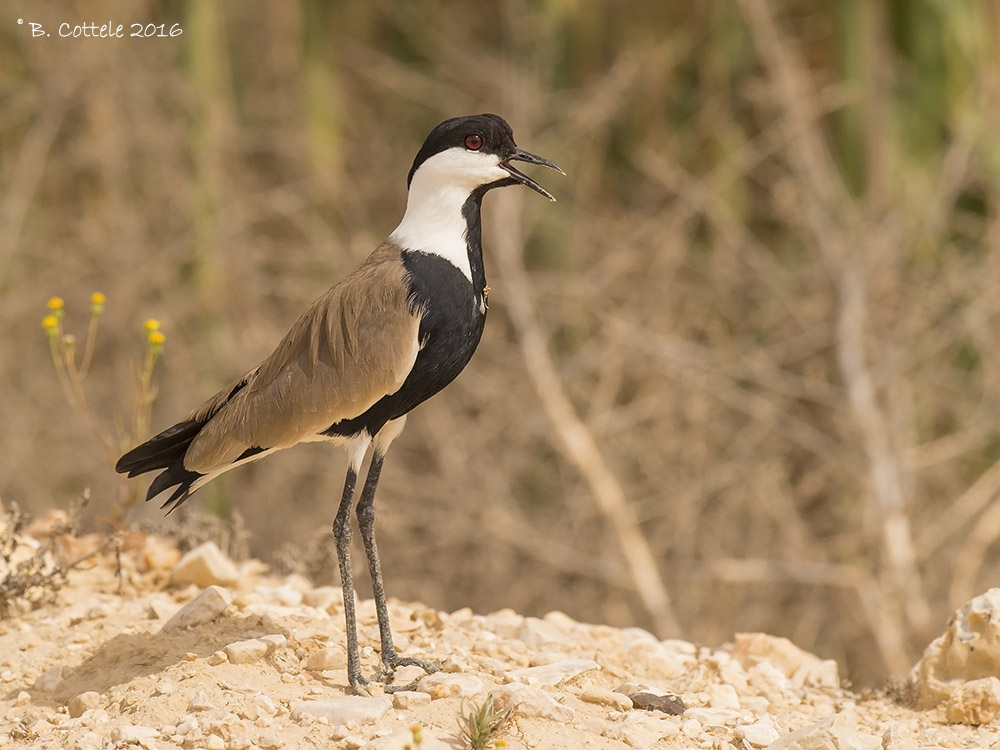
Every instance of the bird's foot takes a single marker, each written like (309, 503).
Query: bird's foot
(391, 664)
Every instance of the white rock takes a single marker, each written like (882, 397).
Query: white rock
(89, 741)
(205, 565)
(264, 704)
(164, 687)
(243, 652)
(200, 702)
(553, 674)
(324, 597)
(640, 730)
(837, 732)
(969, 649)
(49, 680)
(759, 734)
(214, 742)
(974, 702)
(83, 702)
(134, 734)
(722, 696)
(605, 697)
(270, 740)
(208, 605)
(274, 640)
(331, 657)
(445, 685)
(407, 699)
(538, 634)
(530, 701)
(348, 709)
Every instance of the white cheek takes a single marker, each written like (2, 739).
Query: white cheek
(461, 168)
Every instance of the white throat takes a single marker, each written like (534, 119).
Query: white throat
(433, 221)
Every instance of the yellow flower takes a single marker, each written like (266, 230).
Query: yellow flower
(156, 338)
(51, 325)
(56, 303)
(151, 325)
(97, 300)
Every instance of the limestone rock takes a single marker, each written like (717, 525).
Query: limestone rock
(205, 565)
(555, 673)
(974, 702)
(837, 732)
(641, 730)
(801, 667)
(604, 697)
(82, 703)
(331, 657)
(969, 649)
(208, 605)
(407, 699)
(242, 652)
(349, 709)
(445, 685)
(530, 701)
(759, 734)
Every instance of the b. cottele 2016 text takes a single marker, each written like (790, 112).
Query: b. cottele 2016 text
(91, 30)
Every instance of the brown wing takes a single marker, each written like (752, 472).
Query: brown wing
(354, 345)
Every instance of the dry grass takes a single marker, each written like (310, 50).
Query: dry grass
(763, 316)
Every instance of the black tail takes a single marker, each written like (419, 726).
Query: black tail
(165, 451)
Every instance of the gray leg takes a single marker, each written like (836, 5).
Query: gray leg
(342, 534)
(366, 525)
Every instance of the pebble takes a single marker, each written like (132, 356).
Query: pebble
(723, 696)
(605, 697)
(200, 702)
(759, 734)
(553, 674)
(205, 566)
(83, 702)
(134, 734)
(331, 657)
(208, 605)
(838, 732)
(348, 709)
(530, 701)
(640, 730)
(445, 685)
(242, 652)
(668, 704)
(408, 699)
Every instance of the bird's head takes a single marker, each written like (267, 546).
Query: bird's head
(473, 153)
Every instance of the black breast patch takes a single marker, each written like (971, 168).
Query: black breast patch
(450, 329)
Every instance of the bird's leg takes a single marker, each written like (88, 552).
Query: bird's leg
(342, 534)
(366, 524)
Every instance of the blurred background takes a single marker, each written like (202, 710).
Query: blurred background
(742, 376)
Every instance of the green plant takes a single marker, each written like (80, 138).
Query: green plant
(482, 722)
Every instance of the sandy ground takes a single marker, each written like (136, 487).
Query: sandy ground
(256, 661)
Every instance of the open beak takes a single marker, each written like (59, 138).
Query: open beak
(526, 156)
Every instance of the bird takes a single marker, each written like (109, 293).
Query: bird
(374, 346)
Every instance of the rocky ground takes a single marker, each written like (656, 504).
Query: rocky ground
(146, 648)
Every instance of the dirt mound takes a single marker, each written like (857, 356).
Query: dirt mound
(123, 653)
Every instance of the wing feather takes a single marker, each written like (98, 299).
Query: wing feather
(354, 345)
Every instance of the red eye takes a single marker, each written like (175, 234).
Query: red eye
(473, 142)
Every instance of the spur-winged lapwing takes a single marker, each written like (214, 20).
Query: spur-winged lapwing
(386, 338)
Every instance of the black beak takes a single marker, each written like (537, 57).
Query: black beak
(526, 156)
